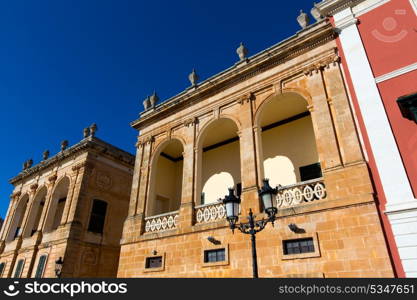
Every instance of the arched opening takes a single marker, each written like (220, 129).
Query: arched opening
(218, 161)
(16, 225)
(56, 209)
(288, 149)
(166, 179)
(35, 213)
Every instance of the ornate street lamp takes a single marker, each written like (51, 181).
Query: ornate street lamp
(232, 203)
(58, 267)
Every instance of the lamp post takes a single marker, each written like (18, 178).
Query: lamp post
(58, 267)
(232, 204)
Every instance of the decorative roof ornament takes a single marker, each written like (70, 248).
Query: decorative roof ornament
(86, 132)
(242, 51)
(153, 99)
(45, 154)
(64, 145)
(25, 165)
(29, 163)
(147, 103)
(193, 77)
(315, 12)
(93, 129)
(303, 19)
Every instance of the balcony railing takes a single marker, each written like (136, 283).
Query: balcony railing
(210, 212)
(301, 192)
(161, 222)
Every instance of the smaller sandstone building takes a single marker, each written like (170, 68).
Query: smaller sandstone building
(70, 206)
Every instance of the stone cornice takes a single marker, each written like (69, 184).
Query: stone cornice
(87, 144)
(303, 41)
(330, 7)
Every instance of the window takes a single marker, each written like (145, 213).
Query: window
(17, 232)
(298, 246)
(41, 266)
(309, 172)
(153, 262)
(19, 268)
(215, 255)
(2, 265)
(98, 216)
(238, 189)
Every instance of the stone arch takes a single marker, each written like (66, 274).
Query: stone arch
(35, 211)
(57, 204)
(160, 146)
(15, 228)
(203, 130)
(286, 138)
(301, 92)
(165, 180)
(217, 152)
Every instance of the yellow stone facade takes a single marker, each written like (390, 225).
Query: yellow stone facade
(344, 224)
(89, 170)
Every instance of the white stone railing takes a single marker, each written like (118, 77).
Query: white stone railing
(162, 222)
(301, 192)
(210, 212)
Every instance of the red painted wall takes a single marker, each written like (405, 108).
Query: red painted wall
(389, 36)
(405, 131)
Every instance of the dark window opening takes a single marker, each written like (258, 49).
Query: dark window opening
(2, 268)
(298, 246)
(98, 216)
(41, 266)
(153, 262)
(19, 269)
(203, 198)
(309, 172)
(238, 189)
(17, 232)
(214, 255)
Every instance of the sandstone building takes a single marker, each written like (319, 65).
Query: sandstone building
(282, 114)
(70, 206)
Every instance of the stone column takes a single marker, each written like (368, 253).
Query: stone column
(133, 203)
(347, 136)
(186, 216)
(143, 188)
(248, 160)
(324, 130)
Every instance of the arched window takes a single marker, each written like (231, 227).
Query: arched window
(19, 268)
(35, 213)
(56, 209)
(41, 266)
(218, 162)
(97, 217)
(19, 213)
(166, 179)
(288, 147)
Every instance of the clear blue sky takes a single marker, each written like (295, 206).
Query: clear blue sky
(66, 64)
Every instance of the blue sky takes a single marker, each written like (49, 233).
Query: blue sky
(66, 64)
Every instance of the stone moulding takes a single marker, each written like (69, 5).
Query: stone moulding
(319, 34)
(90, 143)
